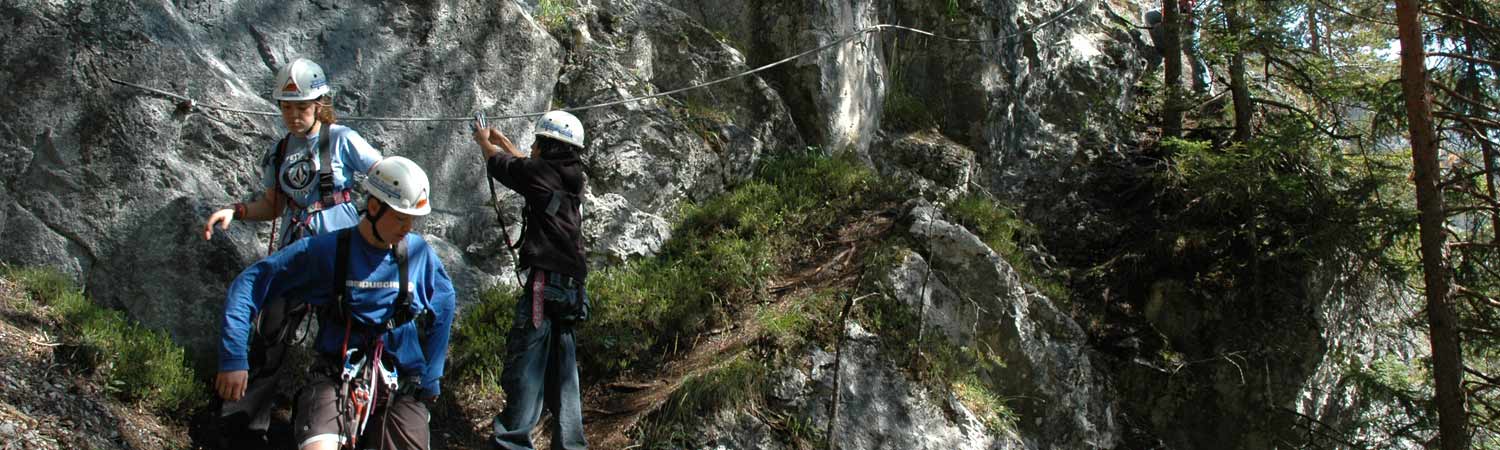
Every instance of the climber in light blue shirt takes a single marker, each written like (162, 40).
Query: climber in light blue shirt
(296, 177)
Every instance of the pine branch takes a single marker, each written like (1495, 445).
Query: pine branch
(1306, 115)
(1454, 93)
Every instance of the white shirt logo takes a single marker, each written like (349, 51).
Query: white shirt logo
(297, 172)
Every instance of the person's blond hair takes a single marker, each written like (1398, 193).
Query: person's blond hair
(325, 111)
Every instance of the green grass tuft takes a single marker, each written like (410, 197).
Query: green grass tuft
(553, 15)
(739, 383)
(479, 336)
(137, 364)
(810, 317)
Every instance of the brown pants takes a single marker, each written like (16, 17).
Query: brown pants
(399, 424)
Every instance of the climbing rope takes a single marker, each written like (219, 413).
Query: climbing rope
(190, 103)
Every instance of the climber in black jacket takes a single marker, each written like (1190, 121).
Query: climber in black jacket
(540, 364)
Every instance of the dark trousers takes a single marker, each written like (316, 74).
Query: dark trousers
(541, 369)
(273, 328)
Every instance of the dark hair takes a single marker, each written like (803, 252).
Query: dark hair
(549, 146)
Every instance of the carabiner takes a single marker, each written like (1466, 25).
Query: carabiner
(351, 366)
(479, 121)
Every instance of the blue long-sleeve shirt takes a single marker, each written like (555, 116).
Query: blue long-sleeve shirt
(305, 270)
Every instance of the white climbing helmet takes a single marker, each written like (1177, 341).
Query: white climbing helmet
(562, 126)
(300, 80)
(399, 183)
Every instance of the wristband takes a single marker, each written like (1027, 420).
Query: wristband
(239, 211)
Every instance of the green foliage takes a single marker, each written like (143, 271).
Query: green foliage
(722, 253)
(479, 337)
(812, 316)
(1240, 231)
(905, 111)
(1399, 412)
(1248, 214)
(640, 310)
(137, 364)
(553, 15)
(738, 383)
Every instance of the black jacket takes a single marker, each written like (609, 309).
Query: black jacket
(552, 239)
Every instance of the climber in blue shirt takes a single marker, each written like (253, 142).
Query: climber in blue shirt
(379, 362)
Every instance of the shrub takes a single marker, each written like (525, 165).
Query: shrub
(479, 337)
(137, 364)
(1256, 213)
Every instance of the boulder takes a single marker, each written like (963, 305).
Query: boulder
(973, 297)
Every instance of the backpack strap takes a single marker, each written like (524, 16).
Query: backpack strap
(280, 158)
(341, 275)
(403, 313)
(275, 161)
(325, 166)
(554, 203)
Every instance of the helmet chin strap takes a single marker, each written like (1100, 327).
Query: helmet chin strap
(374, 228)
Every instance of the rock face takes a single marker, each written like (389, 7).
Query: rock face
(968, 295)
(835, 95)
(100, 179)
(647, 157)
(880, 407)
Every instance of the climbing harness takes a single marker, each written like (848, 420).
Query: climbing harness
(365, 376)
(300, 222)
(189, 103)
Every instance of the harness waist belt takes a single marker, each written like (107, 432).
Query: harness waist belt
(338, 198)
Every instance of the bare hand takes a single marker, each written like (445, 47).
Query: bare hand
(223, 217)
(498, 138)
(231, 385)
(481, 135)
